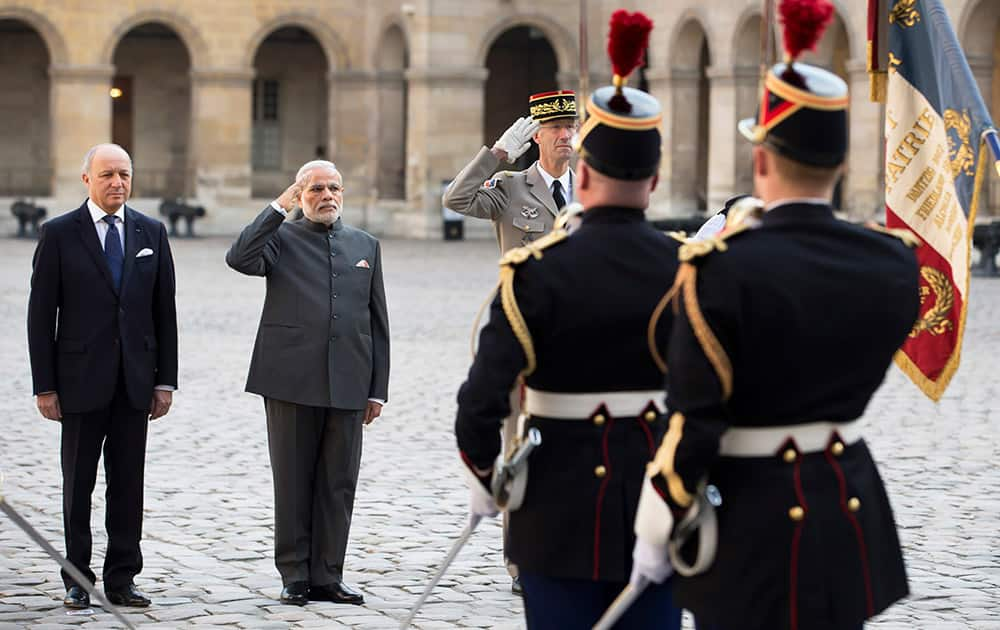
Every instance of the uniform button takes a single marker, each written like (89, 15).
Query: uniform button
(336, 295)
(650, 415)
(854, 504)
(600, 472)
(599, 420)
(796, 513)
(334, 275)
(837, 448)
(790, 456)
(333, 254)
(335, 316)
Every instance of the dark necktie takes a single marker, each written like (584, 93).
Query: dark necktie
(113, 250)
(557, 194)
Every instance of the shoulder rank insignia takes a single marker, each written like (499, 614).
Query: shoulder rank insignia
(534, 249)
(909, 239)
(680, 237)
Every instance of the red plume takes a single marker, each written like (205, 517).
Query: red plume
(804, 22)
(627, 40)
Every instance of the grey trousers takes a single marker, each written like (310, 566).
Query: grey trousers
(315, 457)
(509, 441)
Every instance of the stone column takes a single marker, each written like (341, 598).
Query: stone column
(863, 190)
(444, 132)
(982, 70)
(722, 138)
(221, 101)
(659, 202)
(353, 111)
(747, 88)
(80, 110)
(681, 125)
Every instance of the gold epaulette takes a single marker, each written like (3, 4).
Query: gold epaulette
(909, 239)
(534, 249)
(697, 249)
(680, 237)
(508, 301)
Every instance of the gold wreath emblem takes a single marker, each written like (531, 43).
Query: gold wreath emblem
(904, 13)
(935, 321)
(960, 154)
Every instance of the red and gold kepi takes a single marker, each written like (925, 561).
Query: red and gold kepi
(552, 105)
(803, 109)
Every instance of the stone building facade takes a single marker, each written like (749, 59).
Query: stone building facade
(219, 102)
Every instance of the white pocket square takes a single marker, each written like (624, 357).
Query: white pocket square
(145, 251)
(363, 264)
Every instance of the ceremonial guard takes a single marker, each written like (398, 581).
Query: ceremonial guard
(572, 318)
(787, 324)
(523, 205)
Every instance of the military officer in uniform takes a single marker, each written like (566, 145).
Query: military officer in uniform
(522, 205)
(787, 325)
(572, 318)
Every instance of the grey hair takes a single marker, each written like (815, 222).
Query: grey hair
(308, 166)
(88, 159)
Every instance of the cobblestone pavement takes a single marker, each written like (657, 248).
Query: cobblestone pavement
(208, 522)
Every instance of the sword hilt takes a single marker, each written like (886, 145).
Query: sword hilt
(509, 470)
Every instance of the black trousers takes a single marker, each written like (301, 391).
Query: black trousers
(121, 431)
(315, 458)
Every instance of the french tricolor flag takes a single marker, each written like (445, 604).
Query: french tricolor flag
(939, 147)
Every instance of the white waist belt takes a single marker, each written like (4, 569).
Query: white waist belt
(582, 406)
(765, 441)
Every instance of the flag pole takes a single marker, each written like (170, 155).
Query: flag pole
(993, 142)
(581, 95)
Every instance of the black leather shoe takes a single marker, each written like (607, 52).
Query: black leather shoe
(515, 586)
(127, 596)
(338, 593)
(295, 593)
(76, 597)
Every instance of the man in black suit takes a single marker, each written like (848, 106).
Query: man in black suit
(102, 338)
(321, 362)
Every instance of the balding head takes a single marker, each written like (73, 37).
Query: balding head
(107, 173)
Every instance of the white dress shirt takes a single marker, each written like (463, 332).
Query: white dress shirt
(566, 180)
(102, 226)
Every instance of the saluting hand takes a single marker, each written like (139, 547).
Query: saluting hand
(290, 197)
(516, 140)
(160, 404)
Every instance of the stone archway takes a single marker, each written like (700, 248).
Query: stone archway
(521, 61)
(689, 125)
(290, 110)
(151, 108)
(25, 121)
(391, 64)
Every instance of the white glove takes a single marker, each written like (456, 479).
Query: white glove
(481, 502)
(710, 228)
(517, 139)
(653, 523)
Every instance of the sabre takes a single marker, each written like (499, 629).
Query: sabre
(459, 543)
(74, 573)
(625, 599)
(505, 487)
